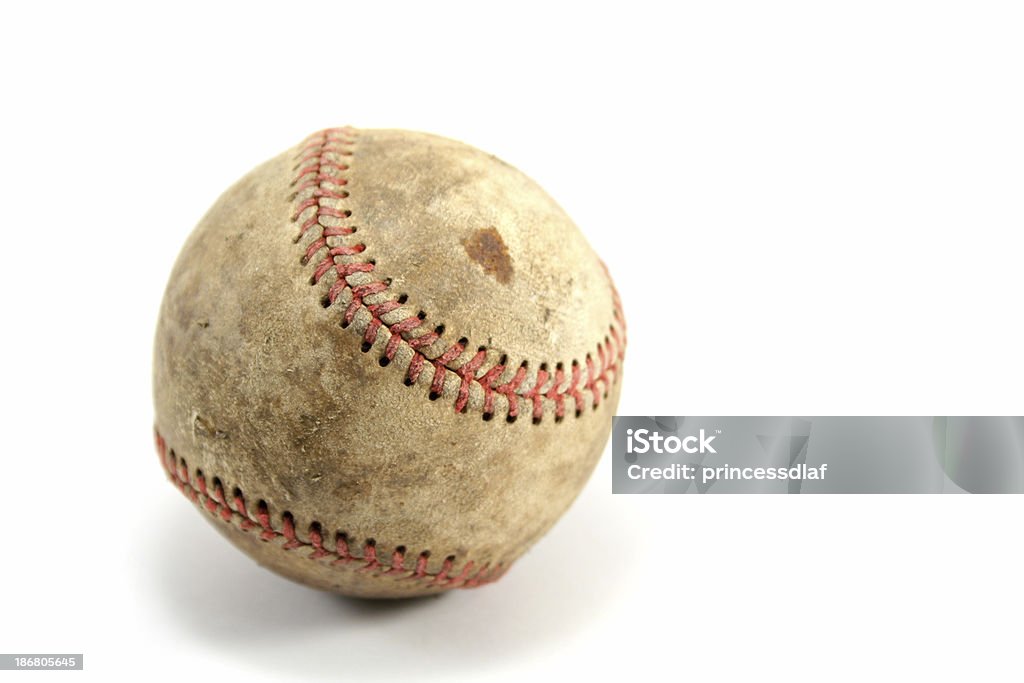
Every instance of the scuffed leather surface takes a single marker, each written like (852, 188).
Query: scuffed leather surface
(257, 384)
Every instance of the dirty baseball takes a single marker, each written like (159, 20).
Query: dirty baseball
(386, 363)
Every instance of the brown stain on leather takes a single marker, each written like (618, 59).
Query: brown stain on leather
(486, 247)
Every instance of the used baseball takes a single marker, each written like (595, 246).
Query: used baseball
(385, 364)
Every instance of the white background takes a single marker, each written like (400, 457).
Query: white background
(809, 208)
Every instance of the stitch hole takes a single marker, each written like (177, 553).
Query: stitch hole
(371, 543)
(503, 360)
(481, 349)
(510, 419)
(402, 298)
(488, 417)
(400, 550)
(314, 528)
(433, 396)
(325, 301)
(407, 382)
(544, 367)
(463, 342)
(439, 329)
(422, 315)
(217, 484)
(366, 346)
(559, 418)
(536, 420)
(344, 324)
(384, 361)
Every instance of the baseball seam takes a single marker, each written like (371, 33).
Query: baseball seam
(318, 194)
(212, 498)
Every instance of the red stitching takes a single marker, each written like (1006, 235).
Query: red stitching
(341, 549)
(468, 374)
(370, 557)
(397, 562)
(321, 173)
(317, 541)
(216, 503)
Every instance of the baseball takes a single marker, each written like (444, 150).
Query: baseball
(385, 364)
